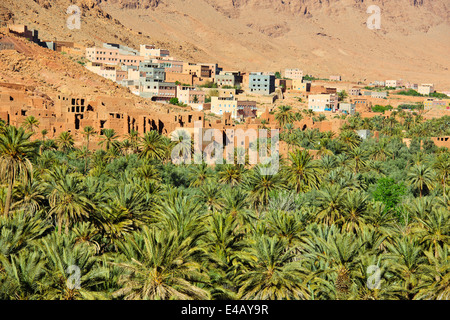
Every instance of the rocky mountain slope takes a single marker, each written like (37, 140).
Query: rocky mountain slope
(322, 37)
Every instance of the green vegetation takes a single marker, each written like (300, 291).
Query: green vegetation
(378, 89)
(414, 93)
(311, 78)
(417, 106)
(379, 108)
(137, 226)
(342, 95)
(438, 95)
(209, 84)
(176, 102)
(277, 75)
(410, 92)
(178, 83)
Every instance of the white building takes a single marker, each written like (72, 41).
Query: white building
(293, 74)
(426, 89)
(394, 83)
(220, 105)
(348, 108)
(322, 102)
(150, 51)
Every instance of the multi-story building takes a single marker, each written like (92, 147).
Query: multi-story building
(225, 80)
(361, 103)
(261, 83)
(174, 66)
(426, 89)
(152, 70)
(394, 83)
(379, 94)
(355, 91)
(228, 78)
(150, 51)
(190, 95)
(301, 86)
(413, 86)
(323, 102)
(109, 72)
(246, 109)
(201, 71)
(377, 83)
(431, 103)
(157, 90)
(114, 55)
(294, 74)
(348, 108)
(335, 78)
(220, 105)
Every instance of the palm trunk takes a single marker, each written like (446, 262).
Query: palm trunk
(85, 160)
(8, 197)
(59, 225)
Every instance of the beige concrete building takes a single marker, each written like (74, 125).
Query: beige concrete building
(150, 51)
(298, 85)
(294, 74)
(426, 89)
(220, 105)
(322, 102)
(190, 96)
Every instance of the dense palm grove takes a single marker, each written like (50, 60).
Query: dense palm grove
(132, 225)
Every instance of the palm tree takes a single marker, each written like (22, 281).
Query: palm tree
(354, 205)
(232, 174)
(381, 151)
(29, 196)
(407, 264)
(16, 150)
(73, 272)
(342, 95)
(65, 141)
(160, 265)
(44, 133)
(349, 138)
(434, 229)
(284, 115)
(23, 276)
(199, 174)
(274, 275)
(209, 193)
(133, 138)
(109, 139)
(338, 254)
(87, 132)
(329, 203)
(152, 146)
(421, 177)
(236, 205)
(303, 173)
(67, 198)
(442, 167)
(259, 184)
(435, 279)
(30, 123)
(358, 158)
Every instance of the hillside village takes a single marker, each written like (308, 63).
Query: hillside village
(204, 92)
(314, 176)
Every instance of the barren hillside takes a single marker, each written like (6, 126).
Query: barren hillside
(49, 73)
(321, 37)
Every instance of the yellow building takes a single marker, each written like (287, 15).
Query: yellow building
(298, 85)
